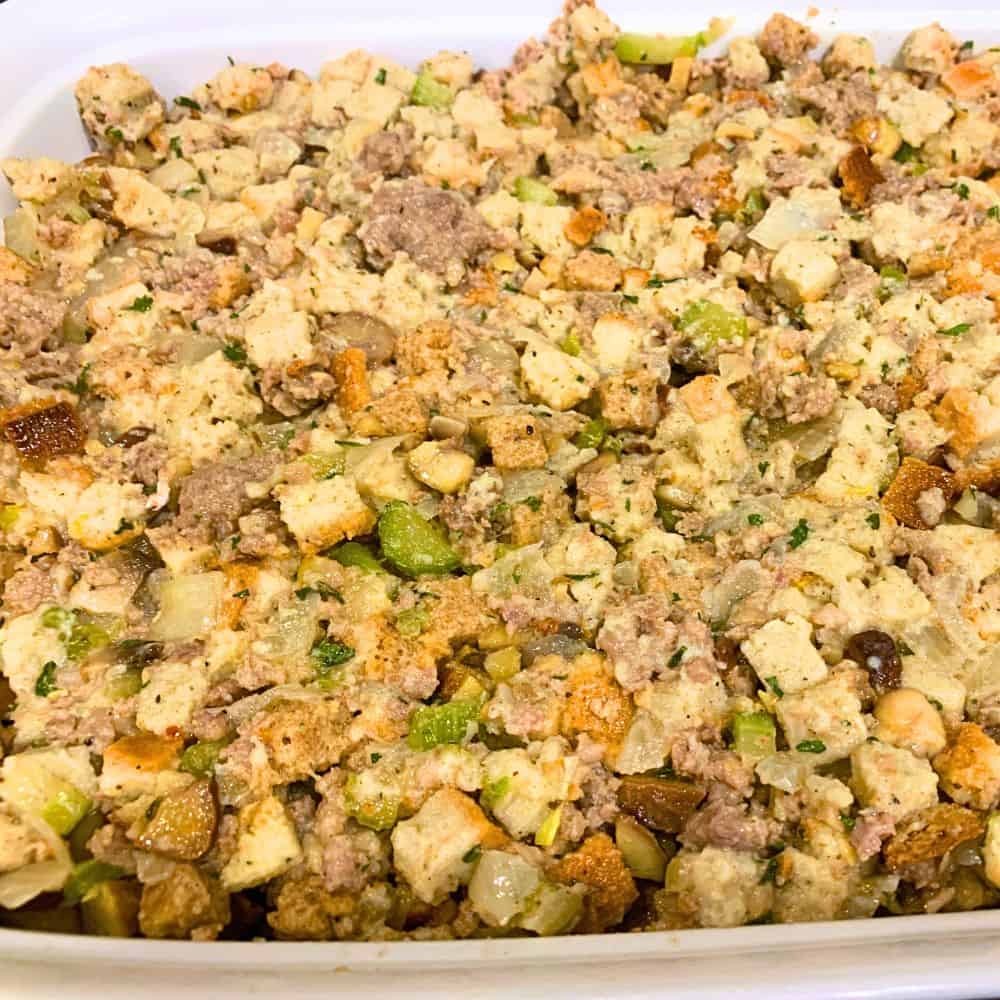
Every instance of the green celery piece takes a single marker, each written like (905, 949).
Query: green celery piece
(494, 792)
(433, 725)
(707, 323)
(592, 434)
(546, 834)
(657, 50)
(531, 190)
(431, 93)
(412, 544)
(66, 806)
(355, 554)
(325, 465)
(376, 814)
(124, 685)
(754, 734)
(9, 513)
(86, 876)
(413, 621)
(84, 638)
(200, 758)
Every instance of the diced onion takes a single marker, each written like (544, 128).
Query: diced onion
(501, 886)
(189, 606)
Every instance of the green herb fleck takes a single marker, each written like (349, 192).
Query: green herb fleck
(46, 682)
(329, 654)
(811, 746)
(175, 146)
(141, 305)
(236, 353)
(241, 594)
(755, 519)
(675, 660)
(380, 77)
(798, 534)
(962, 190)
(955, 331)
(187, 102)
(874, 521)
(472, 854)
(772, 683)
(848, 821)
(533, 502)
(114, 134)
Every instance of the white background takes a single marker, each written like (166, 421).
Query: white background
(44, 46)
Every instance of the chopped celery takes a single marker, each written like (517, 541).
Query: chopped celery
(325, 465)
(412, 621)
(754, 734)
(553, 909)
(8, 515)
(592, 434)
(200, 758)
(494, 792)
(893, 282)
(65, 807)
(59, 618)
(84, 638)
(86, 876)
(640, 849)
(753, 206)
(502, 664)
(433, 725)
(124, 685)
(412, 544)
(431, 93)
(355, 554)
(659, 50)
(531, 190)
(570, 344)
(111, 909)
(378, 813)
(707, 323)
(545, 836)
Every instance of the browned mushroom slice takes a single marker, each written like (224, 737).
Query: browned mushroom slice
(661, 803)
(43, 429)
(183, 823)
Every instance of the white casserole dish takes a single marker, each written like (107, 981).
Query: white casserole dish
(45, 49)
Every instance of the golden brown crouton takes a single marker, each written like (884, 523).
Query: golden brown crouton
(629, 402)
(785, 41)
(930, 834)
(186, 904)
(965, 414)
(302, 737)
(603, 79)
(596, 705)
(403, 663)
(516, 442)
(144, 752)
(598, 863)
(305, 911)
(424, 349)
(399, 411)
(913, 478)
(585, 225)
(594, 272)
(13, 268)
(970, 768)
(231, 281)
(859, 175)
(457, 614)
(349, 372)
(706, 398)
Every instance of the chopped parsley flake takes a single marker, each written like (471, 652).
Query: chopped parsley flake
(798, 534)
(811, 746)
(141, 305)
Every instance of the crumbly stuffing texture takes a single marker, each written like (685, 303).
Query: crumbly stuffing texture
(557, 499)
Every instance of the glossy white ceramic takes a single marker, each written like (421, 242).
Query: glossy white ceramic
(44, 46)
